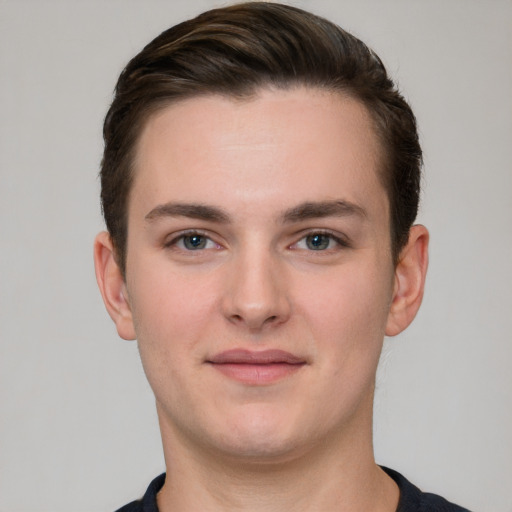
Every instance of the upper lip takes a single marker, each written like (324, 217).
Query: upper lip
(244, 356)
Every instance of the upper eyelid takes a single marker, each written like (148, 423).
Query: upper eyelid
(340, 238)
(175, 237)
(340, 243)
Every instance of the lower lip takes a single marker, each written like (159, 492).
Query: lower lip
(257, 374)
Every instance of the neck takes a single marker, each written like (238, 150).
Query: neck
(337, 474)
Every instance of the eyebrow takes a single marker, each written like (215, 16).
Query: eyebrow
(301, 212)
(322, 209)
(193, 211)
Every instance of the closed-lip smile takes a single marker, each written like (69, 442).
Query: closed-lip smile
(256, 367)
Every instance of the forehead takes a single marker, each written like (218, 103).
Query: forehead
(276, 144)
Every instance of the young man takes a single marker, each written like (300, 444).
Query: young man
(259, 184)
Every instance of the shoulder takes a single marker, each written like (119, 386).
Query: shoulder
(134, 506)
(148, 502)
(414, 500)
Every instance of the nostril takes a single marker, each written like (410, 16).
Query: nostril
(238, 319)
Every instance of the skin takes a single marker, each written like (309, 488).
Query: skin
(302, 441)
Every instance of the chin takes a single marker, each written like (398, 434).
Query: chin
(262, 451)
(261, 436)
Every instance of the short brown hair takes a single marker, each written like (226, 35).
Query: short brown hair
(236, 50)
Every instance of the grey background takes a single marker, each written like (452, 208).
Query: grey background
(78, 429)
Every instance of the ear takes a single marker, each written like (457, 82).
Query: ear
(409, 285)
(112, 286)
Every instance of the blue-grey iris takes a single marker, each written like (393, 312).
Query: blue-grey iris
(318, 242)
(194, 242)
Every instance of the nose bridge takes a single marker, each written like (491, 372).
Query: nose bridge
(257, 293)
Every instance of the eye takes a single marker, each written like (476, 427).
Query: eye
(319, 242)
(193, 242)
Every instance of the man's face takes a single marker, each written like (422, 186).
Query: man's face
(259, 271)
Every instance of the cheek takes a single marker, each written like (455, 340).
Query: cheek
(171, 316)
(169, 310)
(352, 301)
(346, 317)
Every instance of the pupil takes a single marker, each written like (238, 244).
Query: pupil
(194, 242)
(317, 242)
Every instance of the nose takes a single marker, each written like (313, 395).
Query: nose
(256, 296)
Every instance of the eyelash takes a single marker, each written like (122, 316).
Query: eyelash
(173, 243)
(339, 241)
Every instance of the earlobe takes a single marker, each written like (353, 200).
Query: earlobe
(112, 286)
(409, 284)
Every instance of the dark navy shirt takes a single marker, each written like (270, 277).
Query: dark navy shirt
(411, 498)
